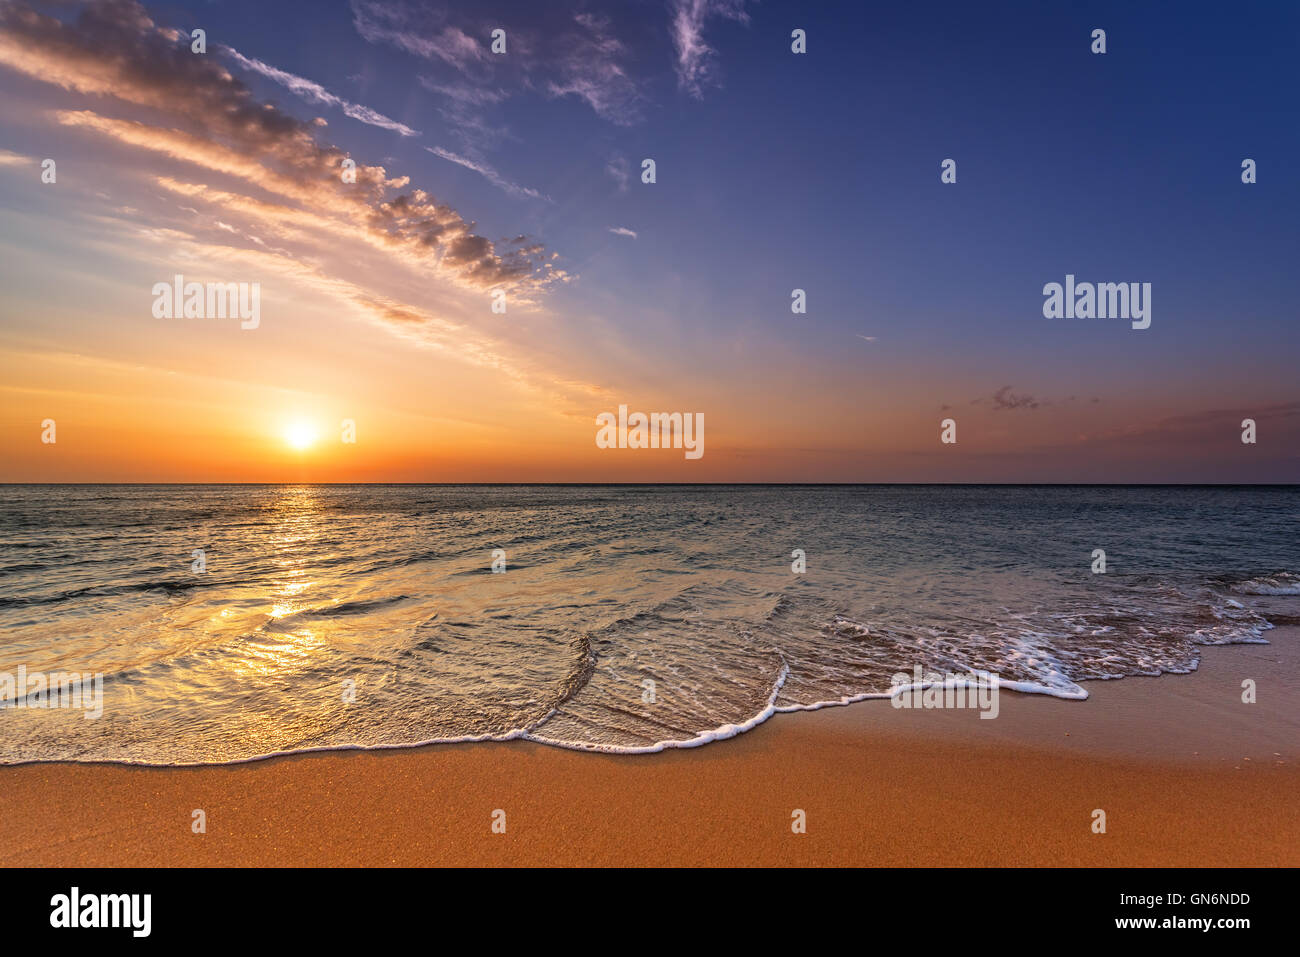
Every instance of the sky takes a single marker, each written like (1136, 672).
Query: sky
(515, 177)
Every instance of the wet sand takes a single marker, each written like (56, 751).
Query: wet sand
(1186, 773)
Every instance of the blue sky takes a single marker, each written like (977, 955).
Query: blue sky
(820, 172)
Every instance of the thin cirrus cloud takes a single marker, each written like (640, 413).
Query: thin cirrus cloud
(1193, 431)
(623, 231)
(464, 105)
(315, 93)
(464, 95)
(584, 58)
(592, 69)
(415, 30)
(696, 59)
(488, 173)
(618, 170)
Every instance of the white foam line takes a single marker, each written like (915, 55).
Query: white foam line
(1023, 687)
(720, 733)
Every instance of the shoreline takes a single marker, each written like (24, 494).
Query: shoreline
(1187, 774)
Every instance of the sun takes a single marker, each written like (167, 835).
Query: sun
(300, 434)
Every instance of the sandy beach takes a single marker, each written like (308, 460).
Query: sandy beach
(1186, 773)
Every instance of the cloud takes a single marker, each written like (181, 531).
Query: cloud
(867, 338)
(205, 117)
(1004, 400)
(584, 58)
(315, 93)
(464, 94)
(622, 231)
(696, 67)
(488, 173)
(1200, 429)
(465, 106)
(419, 31)
(617, 168)
(429, 328)
(591, 69)
(8, 158)
(1230, 419)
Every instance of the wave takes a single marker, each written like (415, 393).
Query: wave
(739, 649)
(1278, 583)
(343, 609)
(170, 588)
(720, 733)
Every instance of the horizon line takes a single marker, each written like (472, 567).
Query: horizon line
(678, 484)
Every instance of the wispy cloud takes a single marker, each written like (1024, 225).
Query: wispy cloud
(1005, 400)
(315, 93)
(583, 57)
(465, 106)
(591, 69)
(623, 231)
(1200, 428)
(205, 117)
(488, 173)
(464, 94)
(617, 168)
(417, 30)
(696, 66)
(1228, 419)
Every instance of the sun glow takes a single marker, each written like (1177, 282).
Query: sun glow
(300, 434)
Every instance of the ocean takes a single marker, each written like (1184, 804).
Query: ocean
(627, 619)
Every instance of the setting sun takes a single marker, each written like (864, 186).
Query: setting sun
(300, 435)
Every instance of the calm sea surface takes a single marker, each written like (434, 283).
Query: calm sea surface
(628, 618)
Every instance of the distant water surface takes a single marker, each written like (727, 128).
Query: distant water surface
(610, 592)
